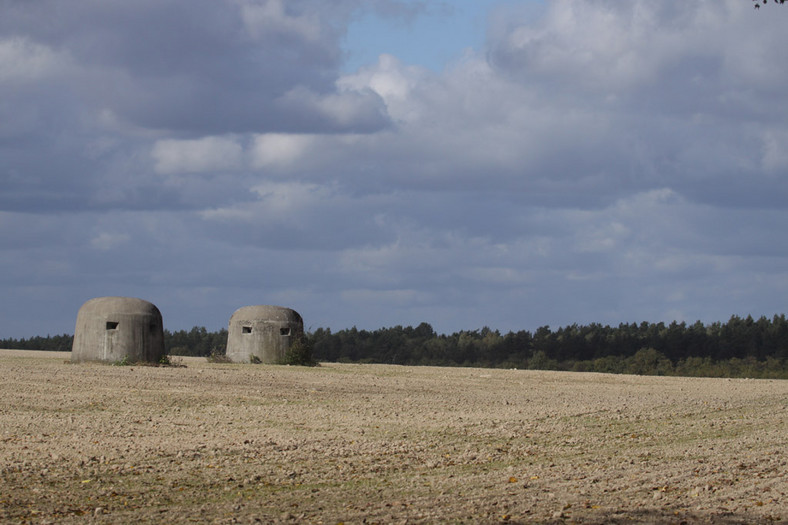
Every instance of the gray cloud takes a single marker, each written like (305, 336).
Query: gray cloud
(239, 61)
(597, 162)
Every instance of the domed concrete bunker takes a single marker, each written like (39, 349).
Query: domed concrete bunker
(112, 329)
(262, 333)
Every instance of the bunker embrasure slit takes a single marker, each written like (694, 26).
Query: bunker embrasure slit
(246, 330)
(285, 330)
(112, 325)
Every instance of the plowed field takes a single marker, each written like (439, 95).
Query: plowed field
(348, 443)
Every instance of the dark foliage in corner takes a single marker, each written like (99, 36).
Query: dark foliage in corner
(758, 3)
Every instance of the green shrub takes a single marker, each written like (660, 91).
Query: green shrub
(300, 353)
(540, 361)
(648, 361)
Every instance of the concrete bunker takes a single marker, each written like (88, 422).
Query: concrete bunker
(262, 333)
(113, 329)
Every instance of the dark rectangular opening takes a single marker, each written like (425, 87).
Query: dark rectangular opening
(285, 330)
(112, 325)
(246, 330)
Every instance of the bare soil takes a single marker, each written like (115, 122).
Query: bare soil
(229, 443)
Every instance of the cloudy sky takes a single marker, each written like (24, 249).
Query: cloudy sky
(370, 163)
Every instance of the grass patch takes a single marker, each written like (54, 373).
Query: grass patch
(218, 357)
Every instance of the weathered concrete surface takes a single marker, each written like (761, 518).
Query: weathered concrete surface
(263, 333)
(112, 329)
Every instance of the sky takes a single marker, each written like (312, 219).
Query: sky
(383, 162)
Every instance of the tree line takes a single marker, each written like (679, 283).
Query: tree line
(740, 347)
(196, 342)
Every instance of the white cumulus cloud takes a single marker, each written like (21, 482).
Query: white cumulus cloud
(279, 149)
(195, 156)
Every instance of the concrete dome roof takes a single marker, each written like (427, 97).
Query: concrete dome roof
(119, 305)
(266, 312)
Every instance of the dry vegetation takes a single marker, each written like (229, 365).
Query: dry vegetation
(227, 443)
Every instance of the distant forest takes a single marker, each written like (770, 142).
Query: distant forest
(741, 347)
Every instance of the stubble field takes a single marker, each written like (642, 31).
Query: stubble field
(348, 443)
